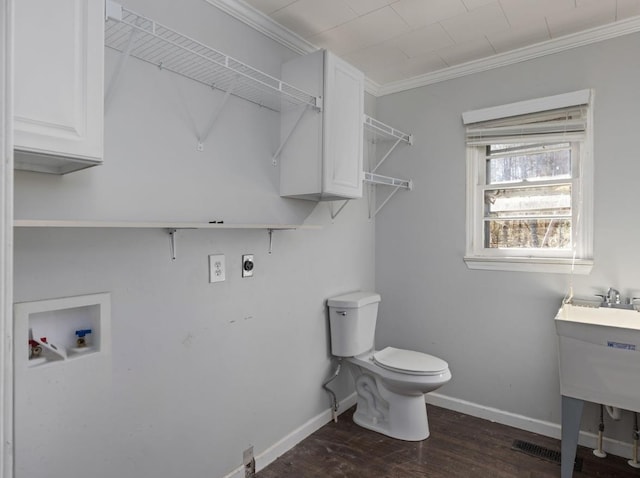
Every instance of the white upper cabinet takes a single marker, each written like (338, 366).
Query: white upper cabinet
(322, 157)
(59, 84)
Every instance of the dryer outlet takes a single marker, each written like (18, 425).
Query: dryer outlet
(247, 265)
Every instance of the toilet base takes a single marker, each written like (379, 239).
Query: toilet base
(403, 417)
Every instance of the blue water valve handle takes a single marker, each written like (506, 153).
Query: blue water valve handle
(82, 332)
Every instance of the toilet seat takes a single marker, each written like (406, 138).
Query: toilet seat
(409, 362)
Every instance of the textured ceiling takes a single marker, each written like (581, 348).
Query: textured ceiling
(394, 40)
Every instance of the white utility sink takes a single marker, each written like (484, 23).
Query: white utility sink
(599, 355)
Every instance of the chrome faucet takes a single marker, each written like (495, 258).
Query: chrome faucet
(613, 296)
(612, 299)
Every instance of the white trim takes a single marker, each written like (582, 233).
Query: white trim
(556, 45)
(6, 240)
(264, 24)
(517, 264)
(292, 439)
(565, 100)
(372, 87)
(257, 20)
(541, 427)
(578, 261)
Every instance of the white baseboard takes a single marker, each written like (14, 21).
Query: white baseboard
(541, 427)
(269, 455)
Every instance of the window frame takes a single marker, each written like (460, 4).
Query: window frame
(579, 259)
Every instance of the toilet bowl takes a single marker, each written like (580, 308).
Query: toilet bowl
(391, 399)
(391, 382)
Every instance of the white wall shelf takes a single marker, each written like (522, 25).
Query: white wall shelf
(378, 132)
(137, 36)
(153, 225)
(171, 227)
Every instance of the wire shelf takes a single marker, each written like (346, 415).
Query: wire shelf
(379, 130)
(373, 178)
(149, 41)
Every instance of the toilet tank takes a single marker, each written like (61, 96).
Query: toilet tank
(352, 319)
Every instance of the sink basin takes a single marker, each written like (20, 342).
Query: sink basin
(599, 355)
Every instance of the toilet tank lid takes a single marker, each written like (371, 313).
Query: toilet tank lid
(354, 300)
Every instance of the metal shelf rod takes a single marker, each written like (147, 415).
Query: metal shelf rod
(170, 50)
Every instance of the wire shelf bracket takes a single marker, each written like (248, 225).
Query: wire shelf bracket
(378, 179)
(335, 213)
(165, 48)
(378, 132)
(276, 155)
(117, 74)
(381, 132)
(201, 137)
(214, 118)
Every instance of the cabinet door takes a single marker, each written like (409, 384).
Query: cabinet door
(343, 129)
(301, 158)
(59, 65)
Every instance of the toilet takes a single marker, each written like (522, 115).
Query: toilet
(391, 382)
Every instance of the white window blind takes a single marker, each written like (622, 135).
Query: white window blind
(565, 124)
(529, 184)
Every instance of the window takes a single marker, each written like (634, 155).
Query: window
(529, 185)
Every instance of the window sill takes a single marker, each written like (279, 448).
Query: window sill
(529, 264)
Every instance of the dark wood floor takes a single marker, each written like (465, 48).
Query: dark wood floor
(459, 446)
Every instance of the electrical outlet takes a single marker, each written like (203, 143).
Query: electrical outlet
(249, 463)
(217, 268)
(247, 265)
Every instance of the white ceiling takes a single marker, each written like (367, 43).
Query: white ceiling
(394, 40)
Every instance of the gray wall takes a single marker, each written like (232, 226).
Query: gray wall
(496, 329)
(199, 371)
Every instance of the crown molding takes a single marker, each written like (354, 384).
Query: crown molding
(257, 20)
(262, 23)
(549, 47)
(372, 87)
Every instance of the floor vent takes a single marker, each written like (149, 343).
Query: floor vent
(542, 452)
